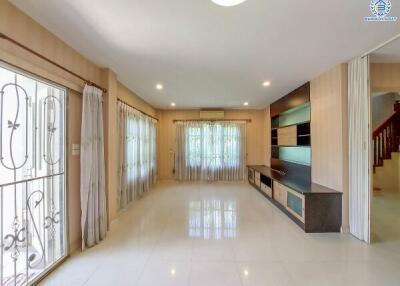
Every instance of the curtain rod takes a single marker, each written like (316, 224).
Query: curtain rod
(88, 82)
(212, 120)
(120, 100)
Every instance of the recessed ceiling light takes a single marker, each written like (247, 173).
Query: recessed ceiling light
(246, 103)
(266, 83)
(173, 104)
(159, 86)
(246, 272)
(228, 2)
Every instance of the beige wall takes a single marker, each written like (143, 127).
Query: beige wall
(256, 136)
(23, 29)
(74, 111)
(385, 77)
(110, 142)
(133, 99)
(329, 137)
(382, 107)
(111, 146)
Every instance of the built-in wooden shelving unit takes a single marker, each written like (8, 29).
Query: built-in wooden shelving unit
(287, 183)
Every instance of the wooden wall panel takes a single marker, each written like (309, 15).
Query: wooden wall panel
(287, 136)
(329, 131)
(267, 141)
(299, 96)
(385, 77)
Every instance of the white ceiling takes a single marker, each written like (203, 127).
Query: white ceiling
(387, 54)
(211, 56)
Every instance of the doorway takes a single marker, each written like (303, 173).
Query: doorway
(385, 127)
(33, 218)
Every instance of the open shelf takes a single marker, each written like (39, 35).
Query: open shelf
(292, 135)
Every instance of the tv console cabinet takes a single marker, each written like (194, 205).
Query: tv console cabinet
(315, 208)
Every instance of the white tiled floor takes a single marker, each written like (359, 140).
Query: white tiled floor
(385, 218)
(222, 234)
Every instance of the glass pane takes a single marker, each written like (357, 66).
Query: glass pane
(299, 155)
(294, 116)
(295, 203)
(213, 146)
(32, 160)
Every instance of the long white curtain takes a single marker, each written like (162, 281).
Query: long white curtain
(93, 197)
(137, 154)
(210, 151)
(359, 138)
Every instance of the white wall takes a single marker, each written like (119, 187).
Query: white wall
(382, 107)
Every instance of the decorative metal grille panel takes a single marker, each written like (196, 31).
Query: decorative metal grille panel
(32, 182)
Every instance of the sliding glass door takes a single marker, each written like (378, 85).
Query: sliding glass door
(33, 226)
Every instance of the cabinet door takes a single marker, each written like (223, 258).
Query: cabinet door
(251, 175)
(257, 179)
(280, 193)
(295, 204)
(266, 189)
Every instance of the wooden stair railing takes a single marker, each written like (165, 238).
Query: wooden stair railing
(386, 138)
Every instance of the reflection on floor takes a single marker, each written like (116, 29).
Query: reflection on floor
(222, 234)
(385, 218)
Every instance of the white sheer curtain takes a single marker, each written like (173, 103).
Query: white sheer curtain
(137, 154)
(93, 197)
(359, 138)
(210, 151)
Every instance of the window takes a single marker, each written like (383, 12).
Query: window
(137, 148)
(211, 150)
(32, 177)
(213, 145)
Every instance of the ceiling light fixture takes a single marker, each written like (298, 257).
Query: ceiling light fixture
(246, 104)
(173, 104)
(159, 86)
(228, 3)
(266, 83)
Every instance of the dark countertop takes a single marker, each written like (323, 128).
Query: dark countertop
(303, 187)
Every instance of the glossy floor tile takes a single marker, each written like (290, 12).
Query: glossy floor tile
(223, 234)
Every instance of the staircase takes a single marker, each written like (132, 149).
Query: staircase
(386, 138)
